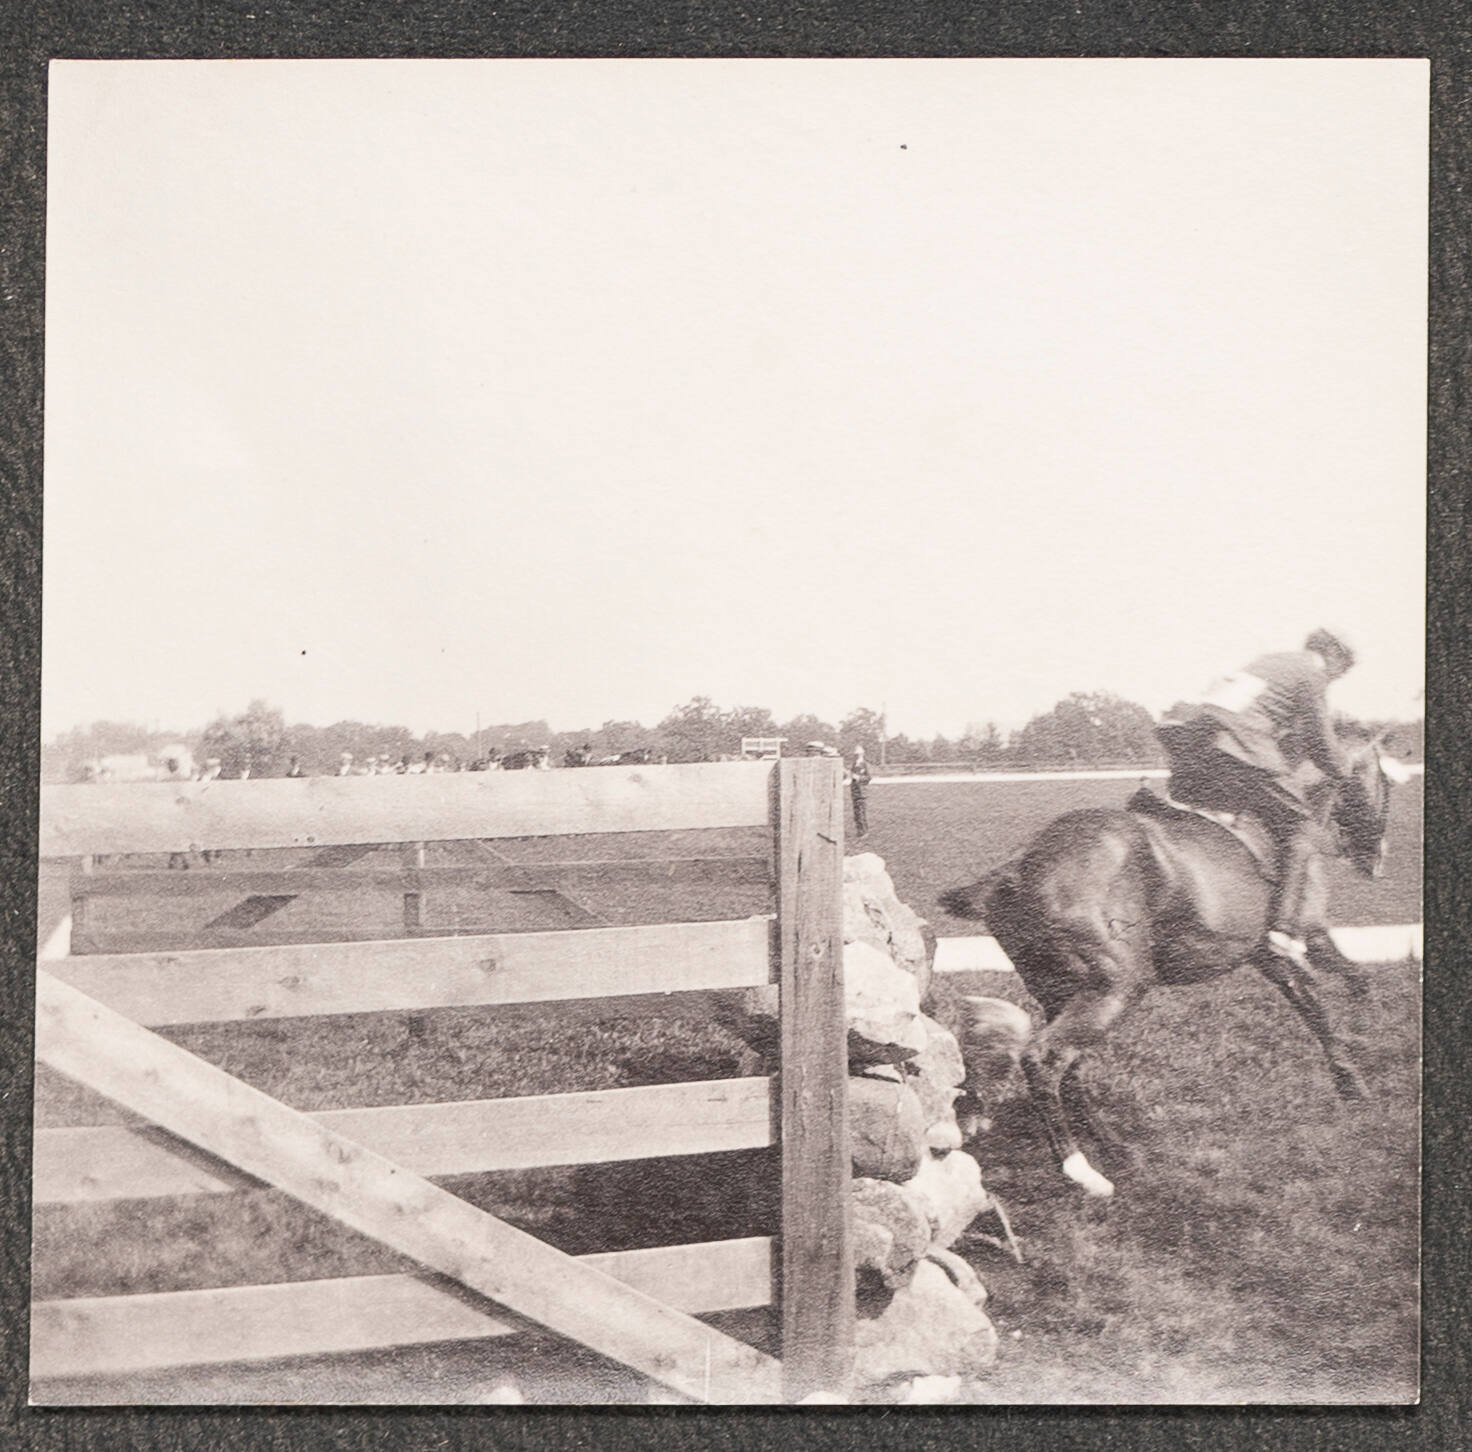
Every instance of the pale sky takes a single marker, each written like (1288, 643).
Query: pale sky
(410, 390)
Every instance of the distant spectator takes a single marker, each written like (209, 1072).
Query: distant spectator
(294, 767)
(858, 784)
(345, 764)
(178, 764)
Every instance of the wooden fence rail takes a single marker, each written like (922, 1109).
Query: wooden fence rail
(292, 980)
(203, 1132)
(457, 806)
(118, 1335)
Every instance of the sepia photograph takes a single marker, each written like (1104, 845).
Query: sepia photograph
(731, 732)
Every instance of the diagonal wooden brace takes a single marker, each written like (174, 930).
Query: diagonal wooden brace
(220, 1114)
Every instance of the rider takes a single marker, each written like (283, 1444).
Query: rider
(1242, 748)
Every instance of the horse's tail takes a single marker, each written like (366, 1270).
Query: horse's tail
(989, 899)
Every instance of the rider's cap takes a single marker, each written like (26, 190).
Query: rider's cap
(1328, 642)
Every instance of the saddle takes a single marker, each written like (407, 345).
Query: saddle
(1242, 825)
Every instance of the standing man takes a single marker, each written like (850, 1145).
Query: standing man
(858, 785)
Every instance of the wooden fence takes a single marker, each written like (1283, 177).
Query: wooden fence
(373, 1169)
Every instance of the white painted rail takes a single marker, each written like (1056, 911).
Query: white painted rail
(1125, 773)
(1392, 944)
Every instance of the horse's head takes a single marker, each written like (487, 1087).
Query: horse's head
(1363, 806)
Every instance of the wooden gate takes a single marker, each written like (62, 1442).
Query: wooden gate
(374, 1169)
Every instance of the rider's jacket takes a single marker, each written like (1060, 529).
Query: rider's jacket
(1273, 715)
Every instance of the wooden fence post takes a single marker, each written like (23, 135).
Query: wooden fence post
(85, 867)
(413, 859)
(817, 1275)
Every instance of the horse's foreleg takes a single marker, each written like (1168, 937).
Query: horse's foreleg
(1299, 990)
(1082, 1109)
(1052, 1054)
(1326, 957)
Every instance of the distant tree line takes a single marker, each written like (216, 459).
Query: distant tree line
(1086, 729)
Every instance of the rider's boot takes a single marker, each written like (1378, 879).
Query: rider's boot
(1285, 935)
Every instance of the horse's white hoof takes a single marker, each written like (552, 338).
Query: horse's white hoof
(1081, 1172)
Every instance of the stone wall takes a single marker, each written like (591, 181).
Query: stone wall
(923, 1332)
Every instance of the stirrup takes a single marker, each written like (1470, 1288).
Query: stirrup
(1285, 945)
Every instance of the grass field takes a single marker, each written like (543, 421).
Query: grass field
(1262, 1245)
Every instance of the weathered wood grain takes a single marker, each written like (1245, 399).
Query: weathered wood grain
(89, 1042)
(290, 980)
(149, 817)
(118, 1335)
(109, 1162)
(817, 1258)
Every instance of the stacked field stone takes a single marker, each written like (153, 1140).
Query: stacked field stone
(923, 1333)
(915, 1191)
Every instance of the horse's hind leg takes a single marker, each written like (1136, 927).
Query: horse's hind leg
(1299, 990)
(1052, 1054)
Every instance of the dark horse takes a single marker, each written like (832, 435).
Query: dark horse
(1104, 904)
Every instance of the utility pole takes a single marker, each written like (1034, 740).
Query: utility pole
(883, 733)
